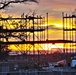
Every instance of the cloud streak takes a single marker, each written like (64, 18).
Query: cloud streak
(53, 27)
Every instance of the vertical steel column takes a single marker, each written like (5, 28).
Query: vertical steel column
(70, 33)
(47, 25)
(63, 31)
(75, 34)
(33, 36)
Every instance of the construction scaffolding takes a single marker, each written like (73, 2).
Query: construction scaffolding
(29, 33)
(26, 33)
(69, 32)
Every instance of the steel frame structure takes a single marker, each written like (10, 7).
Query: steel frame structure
(69, 32)
(24, 30)
(28, 30)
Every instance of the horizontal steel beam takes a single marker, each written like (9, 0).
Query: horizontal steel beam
(29, 17)
(20, 30)
(38, 42)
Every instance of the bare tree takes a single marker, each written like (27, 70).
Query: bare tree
(5, 3)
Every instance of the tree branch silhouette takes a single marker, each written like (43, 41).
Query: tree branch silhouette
(6, 3)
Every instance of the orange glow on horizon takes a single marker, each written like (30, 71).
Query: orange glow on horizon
(36, 47)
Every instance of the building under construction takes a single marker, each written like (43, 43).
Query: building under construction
(69, 32)
(28, 34)
(28, 30)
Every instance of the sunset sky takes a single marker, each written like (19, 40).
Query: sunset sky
(53, 7)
